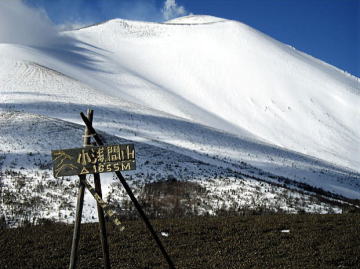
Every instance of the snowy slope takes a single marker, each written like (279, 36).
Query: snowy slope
(229, 76)
(220, 73)
(29, 192)
(208, 88)
(57, 99)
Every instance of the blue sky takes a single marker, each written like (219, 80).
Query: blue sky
(326, 29)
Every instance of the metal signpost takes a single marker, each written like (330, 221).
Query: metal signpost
(95, 160)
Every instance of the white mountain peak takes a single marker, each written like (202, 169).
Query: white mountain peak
(223, 93)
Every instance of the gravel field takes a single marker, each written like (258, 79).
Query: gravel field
(273, 241)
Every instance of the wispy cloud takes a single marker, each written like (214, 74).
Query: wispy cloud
(70, 14)
(25, 25)
(72, 25)
(172, 10)
(38, 22)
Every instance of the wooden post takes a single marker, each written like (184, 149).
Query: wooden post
(102, 224)
(76, 234)
(131, 195)
(79, 207)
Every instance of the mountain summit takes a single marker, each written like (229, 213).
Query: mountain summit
(211, 89)
(227, 75)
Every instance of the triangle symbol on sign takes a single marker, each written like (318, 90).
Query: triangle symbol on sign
(84, 171)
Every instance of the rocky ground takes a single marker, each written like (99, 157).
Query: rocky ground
(267, 241)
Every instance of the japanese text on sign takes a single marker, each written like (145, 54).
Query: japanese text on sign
(91, 160)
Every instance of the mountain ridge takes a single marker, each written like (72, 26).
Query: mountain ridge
(222, 94)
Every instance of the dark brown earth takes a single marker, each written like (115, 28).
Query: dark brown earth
(314, 241)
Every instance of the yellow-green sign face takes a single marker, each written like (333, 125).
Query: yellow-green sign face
(91, 160)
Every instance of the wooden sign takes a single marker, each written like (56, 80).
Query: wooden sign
(92, 160)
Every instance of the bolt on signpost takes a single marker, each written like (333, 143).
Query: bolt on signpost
(95, 160)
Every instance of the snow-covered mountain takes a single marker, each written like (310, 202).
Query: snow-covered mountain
(204, 88)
